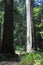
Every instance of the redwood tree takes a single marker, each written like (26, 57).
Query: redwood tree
(7, 41)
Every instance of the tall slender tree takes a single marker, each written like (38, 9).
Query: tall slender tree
(7, 41)
(0, 36)
(29, 32)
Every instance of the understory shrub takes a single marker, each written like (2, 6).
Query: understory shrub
(32, 59)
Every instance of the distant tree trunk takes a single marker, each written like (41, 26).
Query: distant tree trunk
(7, 41)
(29, 32)
(0, 36)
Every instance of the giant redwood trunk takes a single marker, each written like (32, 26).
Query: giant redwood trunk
(7, 41)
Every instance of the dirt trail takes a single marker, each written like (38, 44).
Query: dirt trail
(9, 63)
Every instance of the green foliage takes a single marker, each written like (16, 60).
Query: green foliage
(37, 15)
(37, 24)
(19, 24)
(0, 1)
(32, 59)
(1, 19)
(19, 48)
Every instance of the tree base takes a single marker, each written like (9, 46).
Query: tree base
(9, 57)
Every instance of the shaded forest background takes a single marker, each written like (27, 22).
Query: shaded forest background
(20, 27)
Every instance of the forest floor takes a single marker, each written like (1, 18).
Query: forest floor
(9, 63)
(12, 60)
(8, 59)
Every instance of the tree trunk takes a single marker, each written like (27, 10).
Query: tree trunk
(0, 37)
(7, 41)
(29, 32)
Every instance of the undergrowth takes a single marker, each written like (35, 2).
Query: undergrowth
(32, 59)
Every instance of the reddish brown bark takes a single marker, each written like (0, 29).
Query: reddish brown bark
(7, 41)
